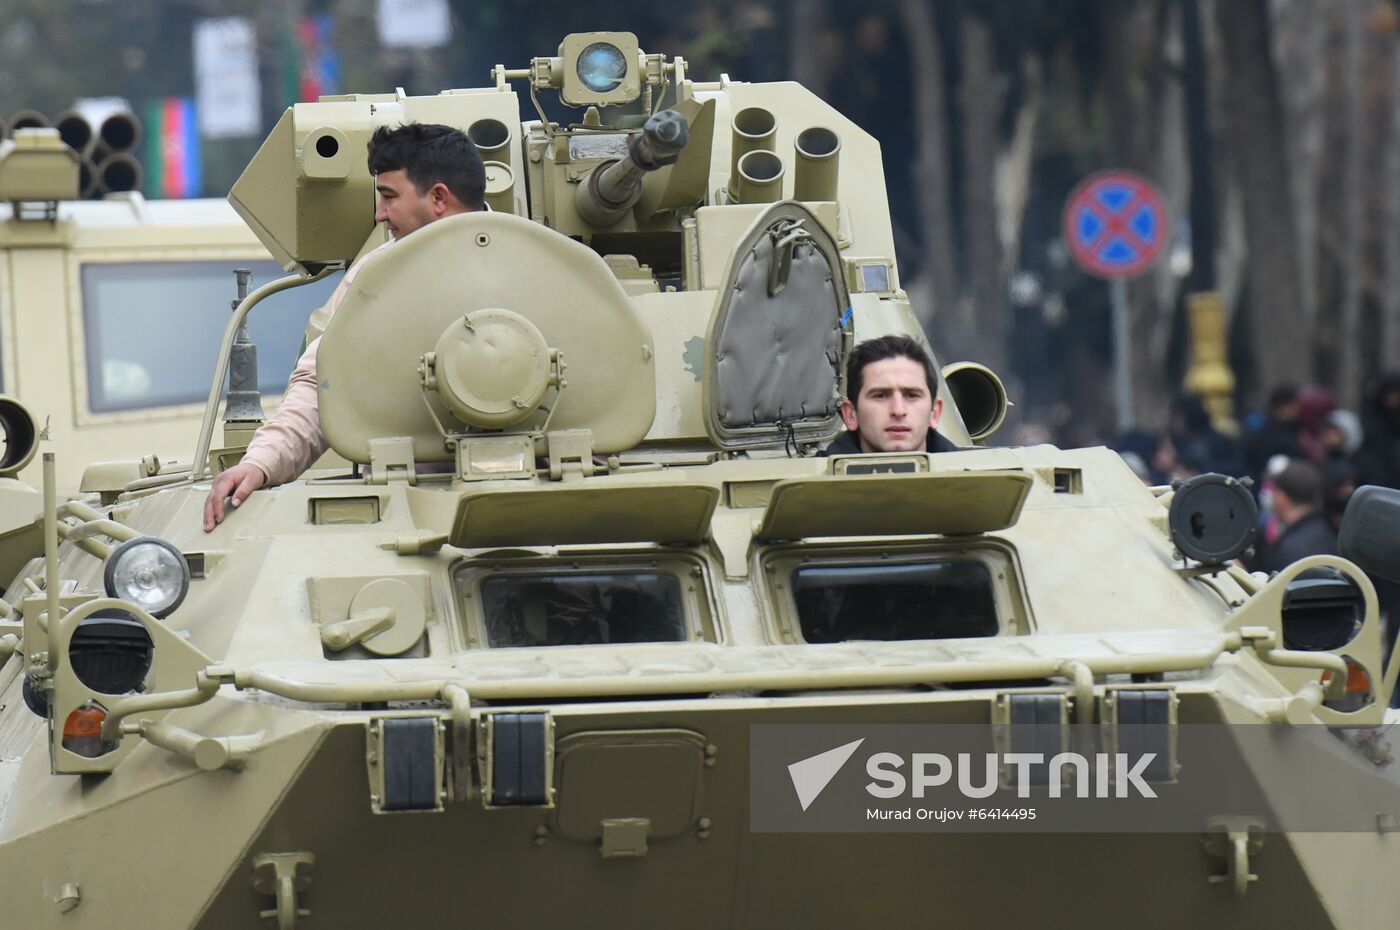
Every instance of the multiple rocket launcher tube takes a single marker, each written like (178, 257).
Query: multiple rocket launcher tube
(756, 171)
(107, 160)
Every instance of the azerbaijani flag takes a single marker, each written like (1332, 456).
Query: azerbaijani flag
(310, 64)
(320, 65)
(173, 165)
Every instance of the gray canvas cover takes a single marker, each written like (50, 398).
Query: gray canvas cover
(779, 340)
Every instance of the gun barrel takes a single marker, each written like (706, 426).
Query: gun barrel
(615, 187)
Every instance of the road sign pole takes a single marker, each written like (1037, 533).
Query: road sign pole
(1116, 224)
(1122, 354)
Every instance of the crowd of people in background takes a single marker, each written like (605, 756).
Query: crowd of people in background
(1305, 455)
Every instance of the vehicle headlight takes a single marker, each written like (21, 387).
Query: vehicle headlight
(601, 67)
(148, 572)
(111, 652)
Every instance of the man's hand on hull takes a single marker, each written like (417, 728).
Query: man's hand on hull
(236, 483)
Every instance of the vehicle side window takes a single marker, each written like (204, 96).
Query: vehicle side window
(944, 599)
(153, 329)
(584, 607)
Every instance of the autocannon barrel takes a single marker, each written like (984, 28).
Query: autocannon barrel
(615, 187)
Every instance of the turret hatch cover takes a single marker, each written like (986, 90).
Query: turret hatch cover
(777, 346)
(402, 300)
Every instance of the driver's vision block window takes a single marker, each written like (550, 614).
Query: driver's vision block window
(153, 329)
(583, 608)
(946, 599)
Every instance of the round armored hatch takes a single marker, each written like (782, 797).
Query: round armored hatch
(370, 357)
(492, 368)
(1212, 518)
(410, 618)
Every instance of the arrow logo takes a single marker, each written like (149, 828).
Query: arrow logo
(810, 776)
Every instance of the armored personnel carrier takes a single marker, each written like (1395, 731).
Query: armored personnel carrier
(512, 666)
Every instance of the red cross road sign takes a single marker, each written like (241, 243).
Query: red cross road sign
(1115, 224)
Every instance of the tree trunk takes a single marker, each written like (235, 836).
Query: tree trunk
(1013, 170)
(980, 99)
(1258, 142)
(1347, 380)
(939, 262)
(1168, 160)
(1300, 43)
(1205, 210)
(806, 46)
(1390, 205)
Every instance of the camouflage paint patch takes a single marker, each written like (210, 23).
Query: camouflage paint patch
(694, 356)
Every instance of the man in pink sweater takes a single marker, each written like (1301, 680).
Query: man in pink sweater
(422, 173)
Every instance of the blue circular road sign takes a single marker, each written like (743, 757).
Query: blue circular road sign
(1116, 224)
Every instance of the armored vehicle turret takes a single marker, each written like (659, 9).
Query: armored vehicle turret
(533, 655)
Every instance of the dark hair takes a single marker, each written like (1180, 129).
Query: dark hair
(1282, 396)
(1195, 419)
(428, 153)
(877, 350)
(1302, 482)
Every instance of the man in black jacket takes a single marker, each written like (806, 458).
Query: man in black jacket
(892, 400)
(1297, 502)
